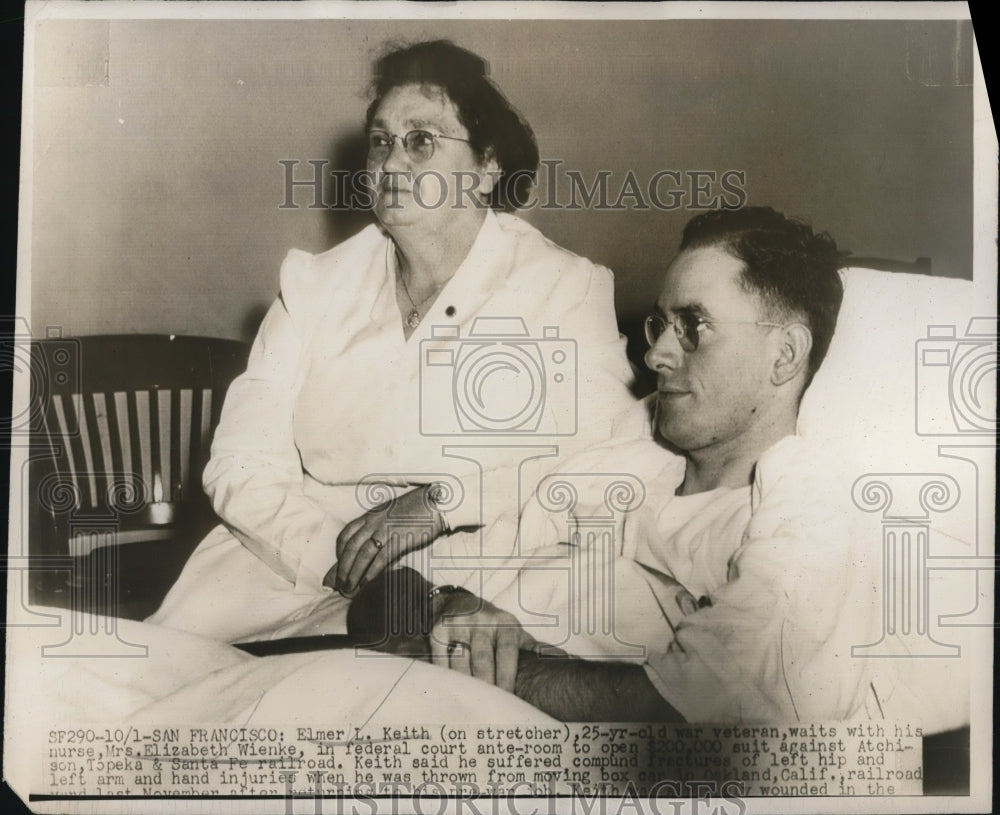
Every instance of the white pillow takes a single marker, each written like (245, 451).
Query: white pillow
(907, 397)
(879, 396)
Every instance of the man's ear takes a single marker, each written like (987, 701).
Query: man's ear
(793, 354)
(489, 173)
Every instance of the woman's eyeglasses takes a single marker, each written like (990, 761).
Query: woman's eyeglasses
(688, 327)
(419, 144)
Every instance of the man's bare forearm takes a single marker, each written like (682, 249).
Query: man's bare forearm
(394, 613)
(577, 690)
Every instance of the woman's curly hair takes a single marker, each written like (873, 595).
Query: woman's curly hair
(495, 127)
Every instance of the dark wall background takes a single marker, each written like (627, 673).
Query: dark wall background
(157, 187)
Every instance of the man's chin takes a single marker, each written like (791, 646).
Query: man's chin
(668, 445)
(667, 435)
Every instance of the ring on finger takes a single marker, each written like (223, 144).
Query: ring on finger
(378, 544)
(455, 648)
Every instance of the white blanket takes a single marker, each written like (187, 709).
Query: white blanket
(131, 671)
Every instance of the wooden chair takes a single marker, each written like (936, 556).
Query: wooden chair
(125, 427)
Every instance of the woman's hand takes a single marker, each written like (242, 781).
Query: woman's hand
(476, 638)
(370, 543)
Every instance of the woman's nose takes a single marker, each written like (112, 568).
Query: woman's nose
(397, 160)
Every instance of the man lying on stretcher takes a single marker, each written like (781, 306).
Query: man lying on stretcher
(743, 543)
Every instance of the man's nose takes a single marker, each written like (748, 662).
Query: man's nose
(665, 353)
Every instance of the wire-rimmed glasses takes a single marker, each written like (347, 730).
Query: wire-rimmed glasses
(688, 327)
(419, 144)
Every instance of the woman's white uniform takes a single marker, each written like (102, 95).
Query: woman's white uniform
(518, 362)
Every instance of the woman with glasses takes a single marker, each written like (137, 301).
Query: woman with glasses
(409, 384)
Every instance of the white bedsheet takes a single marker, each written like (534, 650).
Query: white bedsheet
(184, 678)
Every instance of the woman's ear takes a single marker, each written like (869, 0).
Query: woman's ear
(489, 173)
(793, 353)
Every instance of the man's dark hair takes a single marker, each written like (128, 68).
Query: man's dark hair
(792, 270)
(494, 125)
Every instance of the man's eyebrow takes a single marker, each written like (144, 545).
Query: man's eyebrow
(695, 309)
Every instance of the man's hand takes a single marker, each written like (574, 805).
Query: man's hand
(366, 546)
(475, 637)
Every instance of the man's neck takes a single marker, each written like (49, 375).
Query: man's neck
(731, 463)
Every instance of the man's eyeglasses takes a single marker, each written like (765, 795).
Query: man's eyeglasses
(419, 144)
(688, 327)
